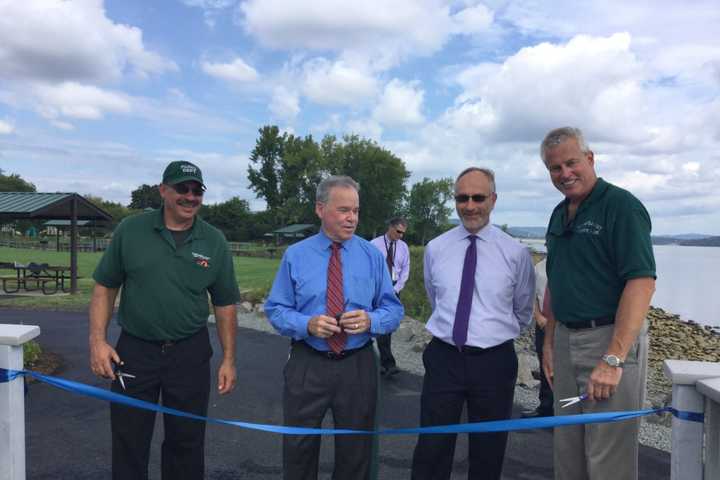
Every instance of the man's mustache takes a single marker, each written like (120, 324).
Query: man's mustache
(188, 203)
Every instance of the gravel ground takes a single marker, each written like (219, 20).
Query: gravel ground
(408, 359)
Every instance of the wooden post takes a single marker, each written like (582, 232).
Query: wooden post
(73, 244)
(12, 401)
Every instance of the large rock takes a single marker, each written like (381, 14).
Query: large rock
(526, 364)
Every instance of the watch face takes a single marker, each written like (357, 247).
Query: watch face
(612, 360)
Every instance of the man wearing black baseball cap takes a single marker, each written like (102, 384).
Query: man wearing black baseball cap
(167, 262)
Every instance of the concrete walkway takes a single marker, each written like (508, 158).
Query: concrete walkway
(69, 435)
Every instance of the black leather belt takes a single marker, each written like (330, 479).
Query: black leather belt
(329, 354)
(597, 322)
(470, 350)
(164, 345)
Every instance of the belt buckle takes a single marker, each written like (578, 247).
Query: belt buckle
(335, 356)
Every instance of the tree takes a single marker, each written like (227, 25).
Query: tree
(117, 210)
(232, 217)
(286, 169)
(379, 172)
(15, 183)
(426, 210)
(267, 155)
(301, 171)
(145, 196)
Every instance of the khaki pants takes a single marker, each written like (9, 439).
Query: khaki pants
(602, 450)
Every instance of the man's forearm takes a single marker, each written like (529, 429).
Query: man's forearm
(631, 313)
(101, 309)
(226, 321)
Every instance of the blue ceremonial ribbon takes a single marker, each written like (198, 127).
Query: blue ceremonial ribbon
(490, 426)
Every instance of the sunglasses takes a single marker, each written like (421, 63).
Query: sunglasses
(184, 188)
(400, 232)
(477, 198)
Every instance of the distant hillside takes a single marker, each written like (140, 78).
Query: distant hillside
(527, 232)
(703, 241)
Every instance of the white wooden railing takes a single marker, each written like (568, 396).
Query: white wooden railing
(12, 401)
(695, 446)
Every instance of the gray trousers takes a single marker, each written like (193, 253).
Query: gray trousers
(602, 450)
(347, 387)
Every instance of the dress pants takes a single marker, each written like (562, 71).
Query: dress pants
(315, 384)
(602, 450)
(179, 375)
(384, 342)
(546, 393)
(485, 379)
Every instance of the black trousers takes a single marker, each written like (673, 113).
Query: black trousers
(486, 382)
(387, 359)
(384, 343)
(180, 376)
(546, 393)
(315, 384)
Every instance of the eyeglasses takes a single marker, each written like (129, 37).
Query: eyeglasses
(400, 232)
(184, 188)
(477, 198)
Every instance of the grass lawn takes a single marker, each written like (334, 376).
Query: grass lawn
(254, 275)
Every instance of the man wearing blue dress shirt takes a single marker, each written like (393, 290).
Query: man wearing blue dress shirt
(481, 286)
(332, 365)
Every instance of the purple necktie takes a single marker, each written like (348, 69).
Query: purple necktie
(462, 312)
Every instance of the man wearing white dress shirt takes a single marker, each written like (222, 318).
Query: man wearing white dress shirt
(481, 285)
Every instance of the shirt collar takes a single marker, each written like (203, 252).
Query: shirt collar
(159, 223)
(326, 242)
(484, 233)
(595, 195)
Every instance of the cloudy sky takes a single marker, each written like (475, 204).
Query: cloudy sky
(96, 97)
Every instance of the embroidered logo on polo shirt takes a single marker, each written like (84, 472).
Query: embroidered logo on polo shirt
(201, 260)
(589, 227)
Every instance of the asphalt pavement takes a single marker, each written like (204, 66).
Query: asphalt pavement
(68, 435)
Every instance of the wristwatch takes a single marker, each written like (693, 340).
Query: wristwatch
(613, 361)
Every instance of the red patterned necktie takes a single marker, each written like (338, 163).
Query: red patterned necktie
(335, 303)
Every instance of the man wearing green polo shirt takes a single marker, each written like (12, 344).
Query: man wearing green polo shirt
(601, 277)
(167, 262)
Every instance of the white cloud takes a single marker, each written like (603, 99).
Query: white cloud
(473, 20)
(285, 104)
(235, 71)
(367, 128)
(78, 101)
(54, 40)
(211, 8)
(400, 104)
(383, 32)
(595, 82)
(336, 83)
(6, 127)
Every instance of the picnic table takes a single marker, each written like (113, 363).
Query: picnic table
(35, 276)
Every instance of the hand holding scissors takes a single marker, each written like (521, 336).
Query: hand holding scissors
(572, 400)
(120, 375)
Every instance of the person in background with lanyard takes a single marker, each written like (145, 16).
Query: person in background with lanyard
(397, 257)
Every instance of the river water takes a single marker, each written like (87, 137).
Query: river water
(687, 282)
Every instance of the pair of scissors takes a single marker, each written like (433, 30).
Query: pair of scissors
(573, 400)
(120, 375)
